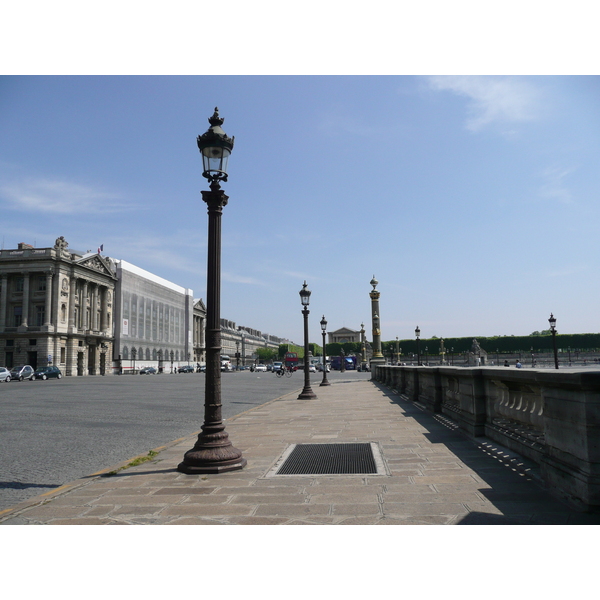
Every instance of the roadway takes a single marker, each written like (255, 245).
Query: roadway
(53, 432)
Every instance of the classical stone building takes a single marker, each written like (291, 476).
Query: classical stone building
(93, 315)
(56, 308)
(343, 335)
(246, 341)
(199, 332)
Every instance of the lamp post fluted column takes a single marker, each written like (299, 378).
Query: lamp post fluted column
(213, 452)
(377, 358)
(306, 393)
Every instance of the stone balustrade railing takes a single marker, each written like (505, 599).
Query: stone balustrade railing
(549, 416)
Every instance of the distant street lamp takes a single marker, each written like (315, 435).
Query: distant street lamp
(552, 321)
(569, 355)
(323, 330)
(171, 361)
(426, 356)
(342, 361)
(397, 351)
(417, 334)
(363, 347)
(306, 393)
(213, 452)
(532, 358)
(160, 357)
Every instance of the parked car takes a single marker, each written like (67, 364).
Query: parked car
(261, 368)
(46, 373)
(186, 369)
(4, 374)
(148, 371)
(21, 372)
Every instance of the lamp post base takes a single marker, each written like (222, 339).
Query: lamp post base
(213, 453)
(307, 394)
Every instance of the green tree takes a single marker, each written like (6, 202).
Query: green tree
(266, 354)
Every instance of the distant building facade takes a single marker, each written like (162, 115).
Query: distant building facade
(154, 320)
(90, 314)
(246, 341)
(343, 335)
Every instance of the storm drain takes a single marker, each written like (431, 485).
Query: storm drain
(330, 459)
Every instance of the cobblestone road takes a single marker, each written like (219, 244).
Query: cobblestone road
(53, 432)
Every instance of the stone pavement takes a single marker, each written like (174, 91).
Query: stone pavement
(434, 475)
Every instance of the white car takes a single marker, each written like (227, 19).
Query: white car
(312, 369)
(261, 368)
(4, 374)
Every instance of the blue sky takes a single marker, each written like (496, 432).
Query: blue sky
(473, 200)
(363, 146)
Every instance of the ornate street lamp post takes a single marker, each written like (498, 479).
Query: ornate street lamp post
(552, 321)
(306, 393)
(171, 361)
(213, 452)
(417, 334)
(324, 329)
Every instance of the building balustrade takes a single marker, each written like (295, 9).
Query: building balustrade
(550, 417)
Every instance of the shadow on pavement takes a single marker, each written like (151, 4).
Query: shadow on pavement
(512, 483)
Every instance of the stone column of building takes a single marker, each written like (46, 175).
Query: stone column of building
(104, 309)
(48, 308)
(95, 326)
(25, 313)
(3, 302)
(83, 306)
(72, 296)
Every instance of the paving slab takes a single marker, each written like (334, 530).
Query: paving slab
(433, 475)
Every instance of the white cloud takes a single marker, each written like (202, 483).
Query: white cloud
(553, 187)
(59, 196)
(492, 99)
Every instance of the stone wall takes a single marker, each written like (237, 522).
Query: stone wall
(551, 417)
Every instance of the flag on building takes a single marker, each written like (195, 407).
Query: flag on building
(101, 249)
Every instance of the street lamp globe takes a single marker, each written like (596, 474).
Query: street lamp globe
(215, 147)
(305, 295)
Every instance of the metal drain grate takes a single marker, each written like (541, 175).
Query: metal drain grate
(329, 459)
